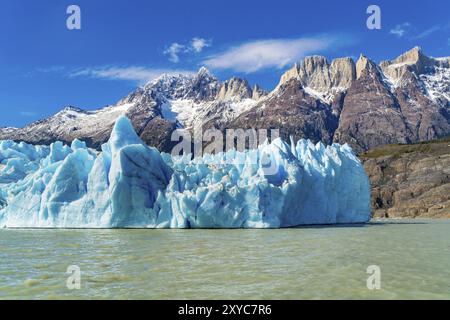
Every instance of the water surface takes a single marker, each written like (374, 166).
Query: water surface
(302, 263)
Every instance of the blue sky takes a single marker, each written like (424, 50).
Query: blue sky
(122, 44)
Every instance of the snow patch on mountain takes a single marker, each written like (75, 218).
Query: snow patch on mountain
(326, 97)
(437, 84)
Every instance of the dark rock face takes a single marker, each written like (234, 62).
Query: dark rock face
(410, 180)
(371, 116)
(147, 121)
(204, 86)
(425, 119)
(157, 133)
(293, 112)
(375, 114)
(235, 88)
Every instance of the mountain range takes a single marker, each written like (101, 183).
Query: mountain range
(364, 104)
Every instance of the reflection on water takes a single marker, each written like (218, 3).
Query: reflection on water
(301, 263)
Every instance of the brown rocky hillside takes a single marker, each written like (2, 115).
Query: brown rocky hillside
(410, 180)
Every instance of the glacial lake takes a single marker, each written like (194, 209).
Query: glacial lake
(302, 263)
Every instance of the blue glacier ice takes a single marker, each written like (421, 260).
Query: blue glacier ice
(129, 184)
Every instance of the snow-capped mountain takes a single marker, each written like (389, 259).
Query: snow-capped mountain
(192, 101)
(69, 123)
(166, 103)
(322, 79)
(393, 102)
(364, 104)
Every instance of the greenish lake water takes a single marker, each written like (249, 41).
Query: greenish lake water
(303, 263)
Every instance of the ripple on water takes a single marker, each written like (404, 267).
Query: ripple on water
(31, 282)
(303, 263)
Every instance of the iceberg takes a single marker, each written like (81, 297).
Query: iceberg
(131, 185)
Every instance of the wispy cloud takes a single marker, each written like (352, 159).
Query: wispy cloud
(272, 53)
(173, 52)
(28, 114)
(51, 69)
(401, 29)
(196, 45)
(428, 32)
(138, 74)
(406, 29)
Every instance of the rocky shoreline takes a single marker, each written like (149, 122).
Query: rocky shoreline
(410, 181)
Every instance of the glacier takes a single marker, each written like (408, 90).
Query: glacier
(131, 185)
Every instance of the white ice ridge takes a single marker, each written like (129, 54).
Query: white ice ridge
(130, 184)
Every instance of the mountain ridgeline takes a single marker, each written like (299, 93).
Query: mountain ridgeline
(364, 104)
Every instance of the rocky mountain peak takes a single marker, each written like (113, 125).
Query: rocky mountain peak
(413, 60)
(258, 92)
(204, 72)
(70, 110)
(343, 72)
(200, 86)
(169, 85)
(132, 97)
(204, 77)
(415, 56)
(204, 86)
(364, 64)
(289, 74)
(311, 64)
(314, 73)
(235, 88)
(321, 78)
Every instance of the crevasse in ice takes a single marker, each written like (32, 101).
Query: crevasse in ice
(129, 184)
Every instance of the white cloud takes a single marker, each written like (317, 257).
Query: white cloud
(197, 44)
(262, 54)
(138, 74)
(400, 29)
(174, 50)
